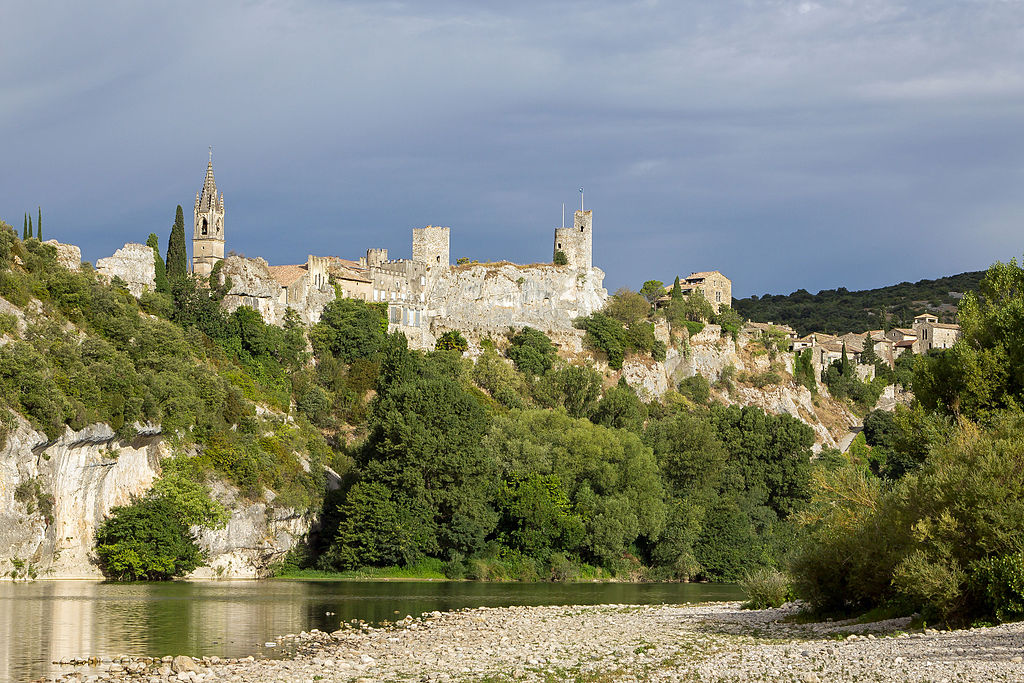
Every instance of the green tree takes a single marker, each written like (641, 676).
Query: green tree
(30, 226)
(573, 387)
(620, 409)
(606, 334)
(532, 351)
(39, 225)
(348, 329)
(627, 306)
(452, 340)
(24, 229)
(162, 284)
(677, 290)
(177, 260)
(146, 540)
(653, 290)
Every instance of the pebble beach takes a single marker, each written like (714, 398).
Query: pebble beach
(594, 644)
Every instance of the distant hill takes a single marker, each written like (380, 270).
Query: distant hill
(838, 311)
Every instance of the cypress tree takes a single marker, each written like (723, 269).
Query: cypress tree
(24, 229)
(39, 224)
(677, 291)
(162, 284)
(30, 226)
(176, 258)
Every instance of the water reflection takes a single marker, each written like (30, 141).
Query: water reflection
(50, 620)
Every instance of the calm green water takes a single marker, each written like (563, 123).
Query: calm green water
(49, 620)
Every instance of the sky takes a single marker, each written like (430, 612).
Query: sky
(788, 144)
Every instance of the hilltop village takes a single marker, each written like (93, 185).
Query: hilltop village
(427, 295)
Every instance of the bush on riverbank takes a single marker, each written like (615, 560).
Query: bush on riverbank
(765, 587)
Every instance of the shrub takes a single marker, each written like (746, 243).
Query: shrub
(452, 340)
(998, 583)
(696, 389)
(560, 258)
(606, 334)
(532, 351)
(693, 327)
(658, 350)
(766, 587)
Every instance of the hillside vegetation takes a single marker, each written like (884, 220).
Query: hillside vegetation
(838, 311)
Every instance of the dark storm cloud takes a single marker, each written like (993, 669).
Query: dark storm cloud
(789, 144)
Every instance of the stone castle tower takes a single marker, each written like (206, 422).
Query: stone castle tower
(577, 242)
(430, 245)
(208, 234)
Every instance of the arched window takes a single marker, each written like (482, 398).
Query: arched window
(205, 226)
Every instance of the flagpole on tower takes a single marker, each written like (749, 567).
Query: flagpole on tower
(563, 214)
(581, 199)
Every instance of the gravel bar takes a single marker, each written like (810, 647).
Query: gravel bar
(594, 644)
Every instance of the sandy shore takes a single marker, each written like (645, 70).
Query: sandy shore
(593, 644)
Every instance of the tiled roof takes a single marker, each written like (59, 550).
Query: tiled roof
(946, 326)
(286, 276)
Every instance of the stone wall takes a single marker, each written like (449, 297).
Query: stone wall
(134, 264)
(501, 295)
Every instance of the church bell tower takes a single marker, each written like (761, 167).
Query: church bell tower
(208, 233)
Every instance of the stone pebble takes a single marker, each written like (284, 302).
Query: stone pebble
(706, 641)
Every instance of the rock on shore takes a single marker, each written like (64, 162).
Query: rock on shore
(706, 642)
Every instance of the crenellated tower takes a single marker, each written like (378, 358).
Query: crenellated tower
(208, 234)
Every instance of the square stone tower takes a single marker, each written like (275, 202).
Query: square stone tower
(430, 245)
(208, 233)
(577, 242)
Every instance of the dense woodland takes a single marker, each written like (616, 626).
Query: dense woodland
(838, 311)
(521, 466)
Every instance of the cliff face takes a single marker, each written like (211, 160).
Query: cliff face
(709, 354)
(53, 496)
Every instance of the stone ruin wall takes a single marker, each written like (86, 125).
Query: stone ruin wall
(487, 299)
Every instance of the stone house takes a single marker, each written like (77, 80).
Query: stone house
(298, 282)
(717, 288)
(931, 334)
(350, 277)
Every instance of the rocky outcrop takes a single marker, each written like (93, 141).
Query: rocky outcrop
(134, 264)
(54, 494)
(256, 536)
(709, 354)
(68, 255)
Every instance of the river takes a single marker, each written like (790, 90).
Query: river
(50, 620)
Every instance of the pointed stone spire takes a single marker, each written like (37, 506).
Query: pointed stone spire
(208, 197)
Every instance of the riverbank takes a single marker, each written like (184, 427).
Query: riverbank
(707, 642)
